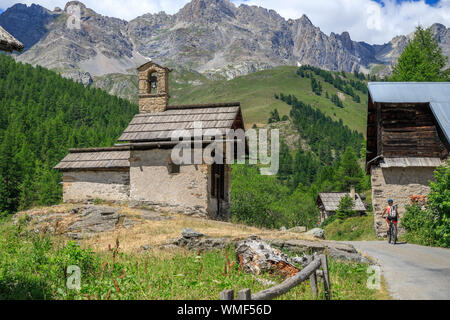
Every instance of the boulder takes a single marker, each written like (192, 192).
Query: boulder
(316, 233)
(347, 256)
(198, 243)
(190, 233)
(94, 219)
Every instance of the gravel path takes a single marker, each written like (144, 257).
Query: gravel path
(412, 272)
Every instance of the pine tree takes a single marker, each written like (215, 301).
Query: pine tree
(422, 60)
(9, 176)
(349, 171)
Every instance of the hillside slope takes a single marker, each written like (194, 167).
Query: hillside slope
(256, 92)
(42, 115)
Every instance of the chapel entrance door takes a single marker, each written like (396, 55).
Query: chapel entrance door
(218, 184)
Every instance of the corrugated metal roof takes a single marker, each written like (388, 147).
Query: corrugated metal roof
(409, 92)
(410, 162)
(159, 126)
(437, 94)
(441, 111)
(331, 201)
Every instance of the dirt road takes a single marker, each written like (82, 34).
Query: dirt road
(411, 271)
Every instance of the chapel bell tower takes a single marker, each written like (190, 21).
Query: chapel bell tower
(153, 88)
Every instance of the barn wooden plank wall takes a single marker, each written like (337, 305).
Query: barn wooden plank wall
(403, 130)
(408, 130)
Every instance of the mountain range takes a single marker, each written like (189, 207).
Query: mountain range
(211, 37)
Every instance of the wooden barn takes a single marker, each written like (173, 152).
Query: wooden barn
(8, 42)
(328, 203)
(408, 136)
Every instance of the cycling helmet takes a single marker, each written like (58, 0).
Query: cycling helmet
(390, 200)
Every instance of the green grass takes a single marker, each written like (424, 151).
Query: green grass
(351, 229)
(256, 94)
(33, 267)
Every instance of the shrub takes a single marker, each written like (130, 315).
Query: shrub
(431, 225)
(264, 202)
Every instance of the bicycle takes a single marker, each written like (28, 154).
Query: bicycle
(392, 233)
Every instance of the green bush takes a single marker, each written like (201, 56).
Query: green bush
(264, 202)
(431, 225)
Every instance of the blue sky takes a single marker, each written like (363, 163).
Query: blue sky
(429, 2)
(372, 21)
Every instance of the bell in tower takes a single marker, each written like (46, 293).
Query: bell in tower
(153, 88)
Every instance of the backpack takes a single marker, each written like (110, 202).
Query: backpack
(393, 212)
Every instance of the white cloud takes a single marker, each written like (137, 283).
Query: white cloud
(365, 20)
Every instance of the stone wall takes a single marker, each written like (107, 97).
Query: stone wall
(153, 103)
(398, 184)
(79, 186)
(153, 184)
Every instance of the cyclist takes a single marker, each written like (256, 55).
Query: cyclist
(392, 214)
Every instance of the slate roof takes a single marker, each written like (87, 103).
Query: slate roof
(331, 201)
(437, 94)
(8, 42)
(159, 126)
(95, 158)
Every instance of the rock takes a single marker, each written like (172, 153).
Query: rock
(347, 256)
(94, 219)
(283, 228)
(298, 229)
(154, 216)
(190, 233)
(199, 244)
(146, 247)
(316, 233)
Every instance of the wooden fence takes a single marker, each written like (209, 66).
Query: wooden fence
(271, 293)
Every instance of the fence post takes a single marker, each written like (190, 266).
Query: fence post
(326, 278)
(245, 294)
(227, 295)
(313, 282)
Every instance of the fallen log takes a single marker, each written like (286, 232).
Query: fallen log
(256, 256)
(288, 284)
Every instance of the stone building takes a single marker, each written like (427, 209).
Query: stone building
(8, 42)
(408, 136)
(328, 203)
(140, 169)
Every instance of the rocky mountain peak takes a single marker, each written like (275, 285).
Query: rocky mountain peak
(213, 37)
(304, 21)
(74, 3)
(207, 11)
(27, 23)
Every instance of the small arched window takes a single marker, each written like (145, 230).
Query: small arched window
(153, 80)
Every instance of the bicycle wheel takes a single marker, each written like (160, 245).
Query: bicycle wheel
(394, 235)
(389, 233)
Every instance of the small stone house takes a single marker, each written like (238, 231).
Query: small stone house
(8, 42)
(328, 203)
(408, 136)
(139, 169)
